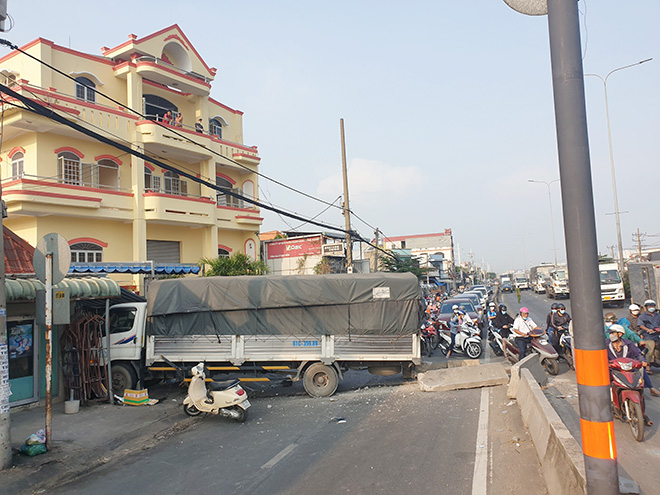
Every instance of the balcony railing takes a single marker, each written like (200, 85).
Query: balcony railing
(83, 174)
(231, 201)
(158, 61)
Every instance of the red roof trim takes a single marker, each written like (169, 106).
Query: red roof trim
(176, 37)
(15, 150)
(108, 53)
(149, 166)
(222, 105)
(94, 58)
(248, 216)
(108, 157)
(88, 239)
(226, 248)
(12, 192)
(247, 210)
(247, 156)
(69, 149)
(218, 174)
(24, 48)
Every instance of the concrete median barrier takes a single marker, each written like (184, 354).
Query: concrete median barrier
(533, 364)
(462, 377)
(559, 453)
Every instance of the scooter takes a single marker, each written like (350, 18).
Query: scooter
(566, 348)
(495, 341)
(468, 341)
(226, 398)
(627, 392)
(540, 345)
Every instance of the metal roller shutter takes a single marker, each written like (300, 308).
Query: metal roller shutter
(163, 251)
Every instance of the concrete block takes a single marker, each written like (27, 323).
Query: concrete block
(627, 486)
(533, 364)
(458, 363)
(485, 375)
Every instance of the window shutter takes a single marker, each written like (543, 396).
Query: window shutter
(163, 251)
(155, 183)
(184, 187)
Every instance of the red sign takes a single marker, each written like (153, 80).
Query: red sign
(292, 248)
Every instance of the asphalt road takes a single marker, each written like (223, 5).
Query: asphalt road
(637, 461)
(373, 440)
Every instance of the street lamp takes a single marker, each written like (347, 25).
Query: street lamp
(552, 222)
(609, 139)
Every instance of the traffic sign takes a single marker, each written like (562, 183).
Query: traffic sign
(58, 246)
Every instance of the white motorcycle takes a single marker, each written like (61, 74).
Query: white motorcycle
(226, 398)
(468, 341)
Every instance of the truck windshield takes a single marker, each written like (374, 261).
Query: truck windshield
(610, 277)
(560, 275)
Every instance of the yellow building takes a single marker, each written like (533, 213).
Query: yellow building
(110, 205)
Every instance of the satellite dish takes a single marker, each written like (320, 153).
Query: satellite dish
(529, 7)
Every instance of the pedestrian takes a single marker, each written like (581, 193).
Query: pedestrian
(518, 293)
(178, 121)
(199, 127)
(167, 118)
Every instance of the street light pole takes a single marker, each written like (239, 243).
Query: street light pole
(552, 222)
(609, 140)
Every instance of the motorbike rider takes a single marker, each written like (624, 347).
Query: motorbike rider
(553, 311)
(619, 347)
(649, 324)
(491, 314)
(631, 320)
(558, 324)
(459, 318)
(522, 326)
(610, 319)
(503, 321)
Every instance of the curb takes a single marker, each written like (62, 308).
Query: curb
(562, 462)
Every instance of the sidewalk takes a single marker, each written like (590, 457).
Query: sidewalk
(96, 435)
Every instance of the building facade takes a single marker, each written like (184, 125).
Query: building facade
(111, 205)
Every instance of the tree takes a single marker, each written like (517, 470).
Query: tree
(399, 264)
(236, 264)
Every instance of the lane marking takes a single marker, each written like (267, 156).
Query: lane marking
(480, 475)
(283, 453)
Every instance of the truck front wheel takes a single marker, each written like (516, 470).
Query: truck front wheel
(123, 377)
(320, 380)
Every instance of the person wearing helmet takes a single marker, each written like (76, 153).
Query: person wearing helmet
(522, 327)
(631, 320)
(619, 347)
(503, 322)
(460, 317)
(611, 319)
(649, 325)
(559, 322)
(491, 314)
(553, 311)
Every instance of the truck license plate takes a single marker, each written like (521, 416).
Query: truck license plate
(607, 297)
(245, 404)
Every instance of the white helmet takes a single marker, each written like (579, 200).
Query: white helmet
(649, 302)
(454, 307)
(634, 307)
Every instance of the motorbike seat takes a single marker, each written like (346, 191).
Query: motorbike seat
(222, 385)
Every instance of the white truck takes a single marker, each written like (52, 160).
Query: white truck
(538, 275)
(520, 281)
(556, 285)
(312, 328)
(611, 285)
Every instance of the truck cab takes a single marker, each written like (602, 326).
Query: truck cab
(127, 324)
(611, 285)
(556, 285)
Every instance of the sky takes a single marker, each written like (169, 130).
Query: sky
(448, 109)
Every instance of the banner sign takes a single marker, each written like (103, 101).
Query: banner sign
(293, 248)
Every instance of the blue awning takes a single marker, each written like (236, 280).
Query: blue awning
(135, 268)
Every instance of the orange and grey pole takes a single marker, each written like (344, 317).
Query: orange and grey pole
(598, 442)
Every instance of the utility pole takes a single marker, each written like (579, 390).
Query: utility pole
(347, 212)
(376, 232)
(596, 420)
(639, 236)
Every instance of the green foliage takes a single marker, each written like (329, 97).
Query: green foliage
(323, 267)
(236, 264)
(398, 264)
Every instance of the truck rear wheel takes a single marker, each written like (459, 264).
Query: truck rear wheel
(320, 380)
(123, 377)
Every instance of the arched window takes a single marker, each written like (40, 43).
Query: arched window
(227, 199)
(155, 107)
(108, 174)
(85, 89)
(86, 252)
(215, 127)
(151, 181)
(248, 189)
(69, 169)
(17, 165)
(174, 185)
(251, 249)
(223, 253)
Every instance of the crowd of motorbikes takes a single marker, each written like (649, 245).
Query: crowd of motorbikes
(626, 374)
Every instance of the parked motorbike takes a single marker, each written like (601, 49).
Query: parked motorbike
(566, 348)
(425, 341)
(468, 341)
(226, 398)
(627, 392)
(495, 341)
(540, 345)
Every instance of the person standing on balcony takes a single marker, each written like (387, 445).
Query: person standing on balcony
(167, 118)
(178, 121)
(199, 127)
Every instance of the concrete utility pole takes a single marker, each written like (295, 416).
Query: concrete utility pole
(347, 212)
(639, 236)
(376, 233)
(5, 432)
(598, 442)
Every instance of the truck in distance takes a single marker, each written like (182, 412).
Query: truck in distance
(611, 285)
(538, 275)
